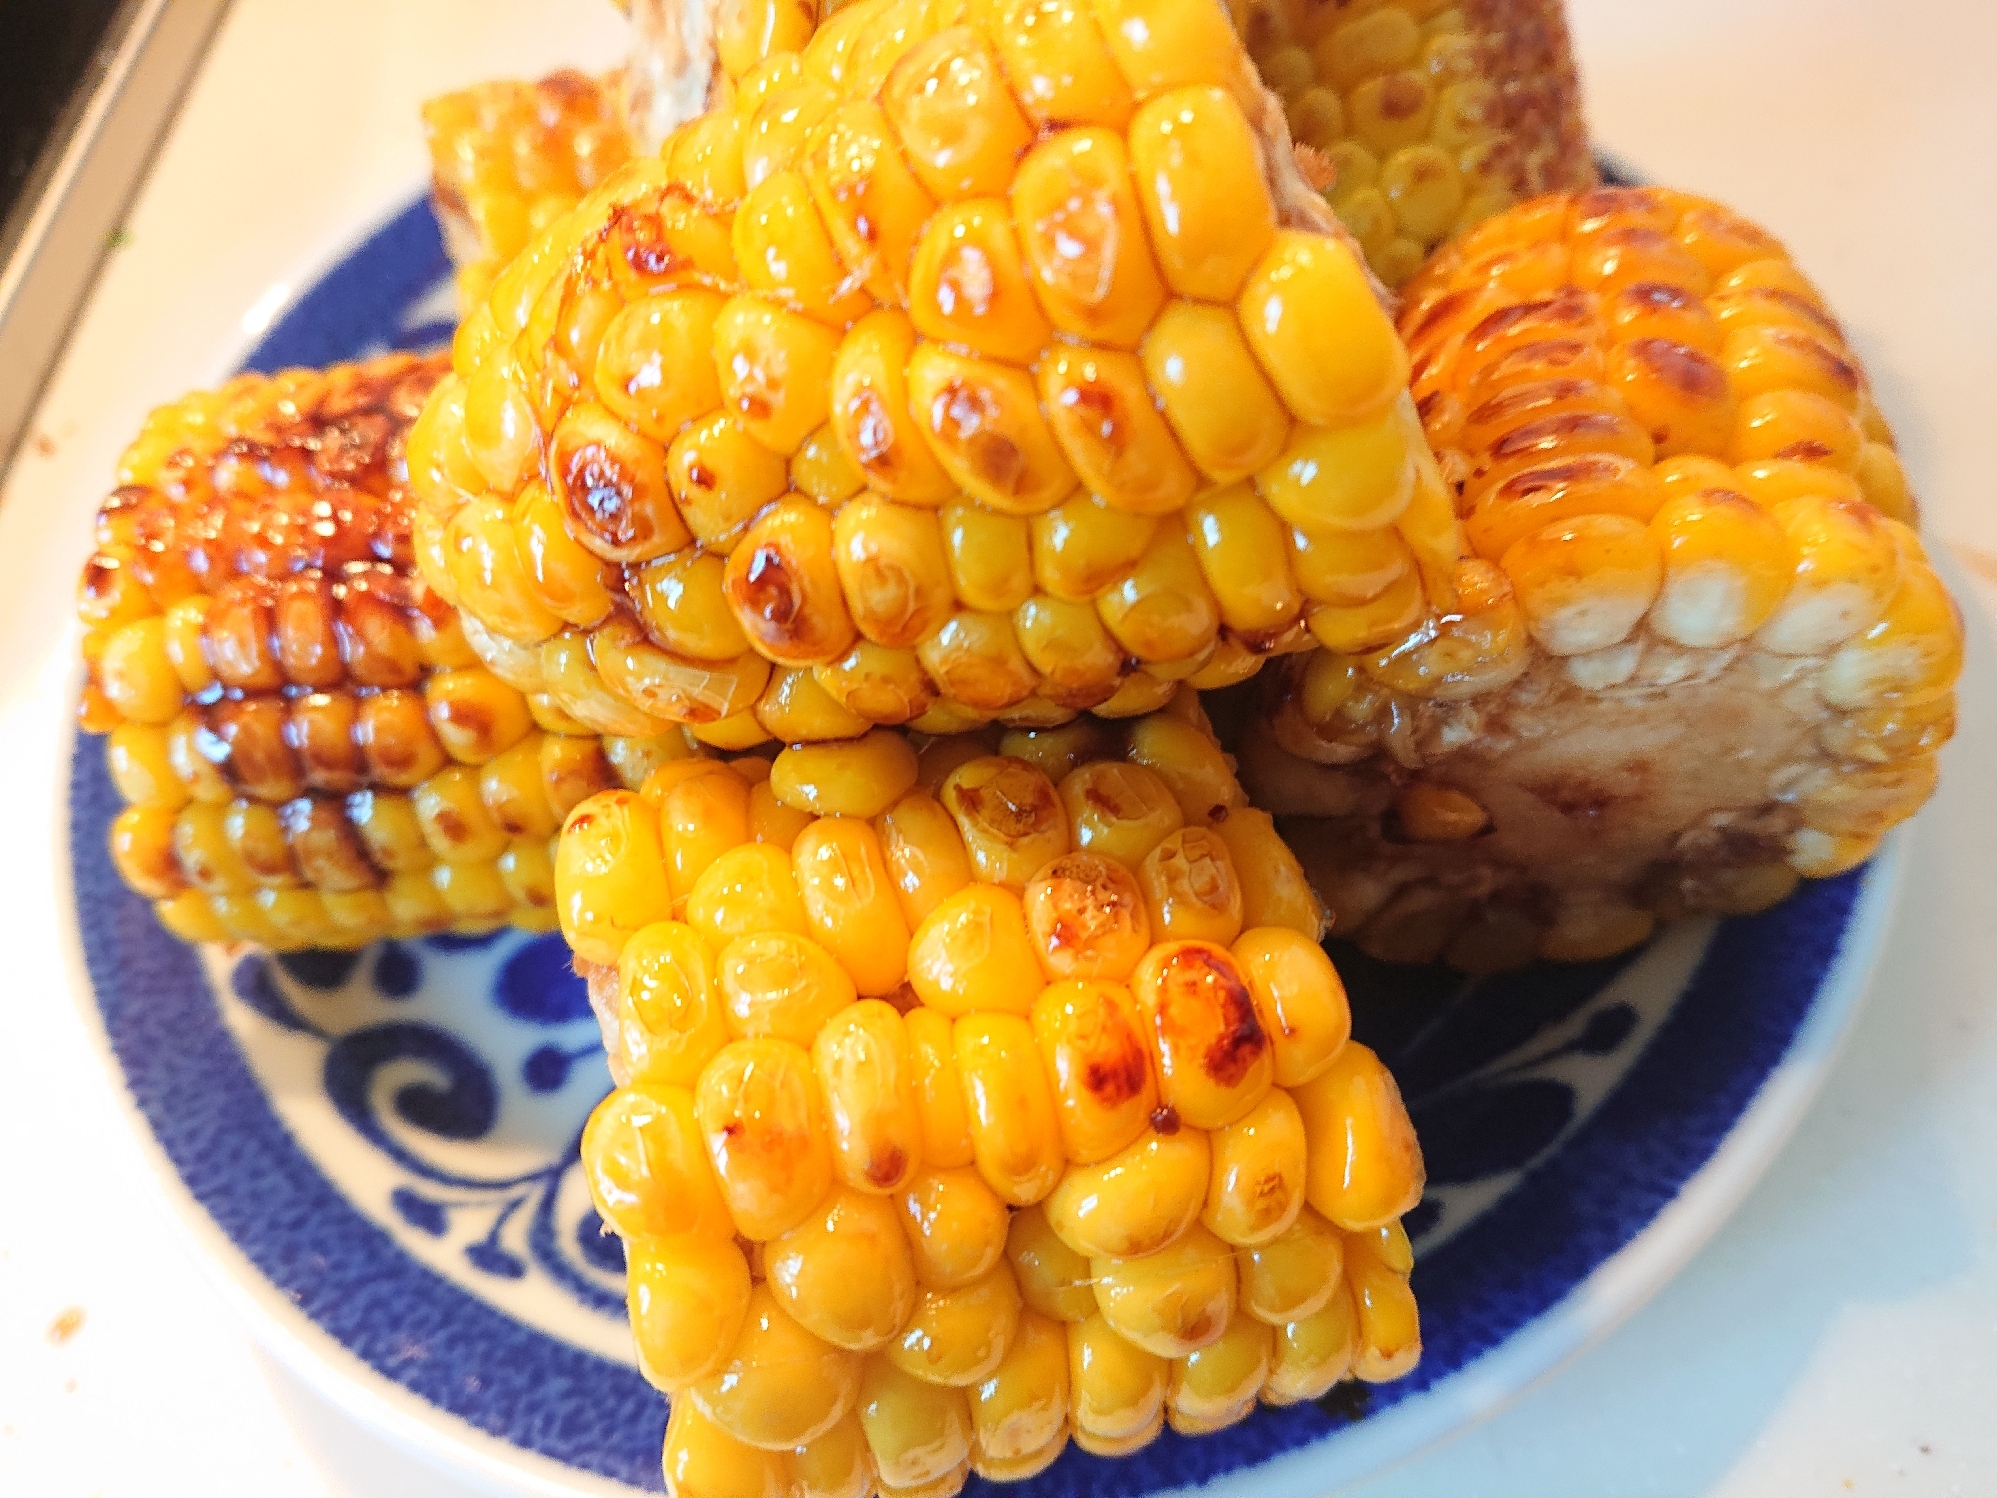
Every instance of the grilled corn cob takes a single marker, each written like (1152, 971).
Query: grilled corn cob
(975, 365)
(1430, 115)
(506, 158)
(981, 1098)
(1709, 656)
(310, 752)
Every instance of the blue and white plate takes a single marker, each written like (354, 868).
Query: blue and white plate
(378, 1149)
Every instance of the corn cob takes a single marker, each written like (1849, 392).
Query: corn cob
(310, 752)
(1710, 656)
(826, 419)
(507, 158)
(971, 1102)
(1430, 116)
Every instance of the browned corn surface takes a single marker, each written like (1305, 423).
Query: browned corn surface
(506, 158)
(979, 363)
(1712, 657)
(1432, 114)
(310, 753)
(977, 1100)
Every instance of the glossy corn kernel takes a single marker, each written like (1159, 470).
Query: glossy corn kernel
(1687, 550)
(1045, 1179)
(885, 373)
(257, 638)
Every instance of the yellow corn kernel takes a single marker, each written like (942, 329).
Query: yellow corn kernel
(796, 708)
(454, 820)
(1216, 1385)
(988, 555)
(1259, 1171)
(780, 1386)
(142, 848)
(1206, 202)
(1847, 569)
(783, 585)
(1190, 762)
(1584, 584)
(476, 715)
(866, 1073)
(1084, 545)
(784, 251)
(1173, 1301)
(688, 1298)
(1242, 552)
(1103, 416)
(1357, 477)
(702, 1460)
(780, 984)
(982, 421)
(1053, 1279)
(1428, 812)
(959, 1336)
(136, 673)
(1190, 888)
(1056, 752)
(849, 899)
(857, 778)
(879, 684)
(1213, 1058)
(1065, 642)
(1022, 1408)
(770, 821)
(873, 205)
(1079, 224)
(977, 661)
(1136, 1201)
(1015, 1138)
(893, 569)
(919, 1431)
(1389, 1340)
(939, 1092)
(721, 477)
(141, 763)
(956, 1226)
(1162, 612)
(968, 284)
(1215, 396)
(1120, 811)
(1314, 1352)
(1299, 998)
(1009, 817)
(774, 367)
(844, 1273)
(1912, 655)
(610, 875)
(701, 816)
(821, 469)
(1116, 1388)
(1727, 565)
(680, 600)
(647, 1173)
(745, 891)
(974, 952)
(955, 118)
(671, 1023)
(871, 412)
(764, 1127)
(1365, 1165)
(1291, 1277)
(837, 1463)
(1308, 282)
(1274, 889)
(1092, 1043)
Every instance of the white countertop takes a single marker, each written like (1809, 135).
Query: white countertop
(1838, 1337)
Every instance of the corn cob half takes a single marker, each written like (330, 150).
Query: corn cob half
(1431, 115)
(310, 752)
(1709, 655)
(888, 398)
(976, 1100)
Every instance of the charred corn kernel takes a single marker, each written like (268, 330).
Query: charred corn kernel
(1365, 1166)
(1022, 1408)
(1300, 999)
(973, 953)
(1190, 888)
(1116, 1387)
(673, 1022)
(844, 1273)
(746, 891)
(866, 1073)
(956, 1226)
(1092, 1044)
(1389, 1333)
(860, 778)
(1073, 203)
(1053, 1279)
(959, 1336)
(939, 1094)
(919, 1431)
(849, 899)
(702, 1460)
(1213, 1058)
(1120, 811)
(610, 875)
(1259, 1170)
(1134, 1202)
(780, 1386)
(688, 1300)
(779, 984)
(1009, 817)
(1015, 1137)
(1216, 1385)
(763, 1123)
(1314, 1352)
(647, 1172)
(1171, 1302)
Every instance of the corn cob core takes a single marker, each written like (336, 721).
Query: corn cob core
(974, 1101)
(1432, 115)
(983, 363)
(1722, 659)
(507, 158)
(310, 753)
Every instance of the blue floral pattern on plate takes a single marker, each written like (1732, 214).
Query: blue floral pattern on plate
(389, 1136)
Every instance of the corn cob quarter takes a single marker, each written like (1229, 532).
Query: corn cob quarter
(1428, 116)
(985, 1098)
(310, 753)
(990, 363)
(1730, 663)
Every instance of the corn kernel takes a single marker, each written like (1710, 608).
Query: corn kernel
(764, 1127)
(844, 1273)
(1015, 1138)
(1174, 1301)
